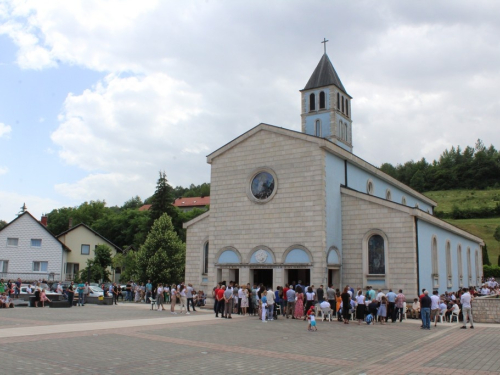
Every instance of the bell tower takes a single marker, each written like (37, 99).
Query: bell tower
(326, 105)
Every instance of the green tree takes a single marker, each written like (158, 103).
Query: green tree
(87, 212)
(2, 224)
(132, 203)
(98, 267)
(127, 263)
(498, 261)
(124, 227)
(486, 258)
(496, 235)
(162, 257)
(162, 199)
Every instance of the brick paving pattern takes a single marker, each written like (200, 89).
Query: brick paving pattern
(242, 345)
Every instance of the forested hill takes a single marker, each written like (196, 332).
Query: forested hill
(475, 167)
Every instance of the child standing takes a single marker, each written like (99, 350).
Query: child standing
(312, 317)
(264, 305)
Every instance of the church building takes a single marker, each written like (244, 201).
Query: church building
(288, 206)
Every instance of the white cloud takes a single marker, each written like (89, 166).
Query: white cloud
(11, 203)
(4, 130)
(125, 130)
(3, 170)
(185, 78)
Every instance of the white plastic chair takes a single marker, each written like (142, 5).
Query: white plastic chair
(404, 310)
(454, 315)
(441, 317)
(326, 314)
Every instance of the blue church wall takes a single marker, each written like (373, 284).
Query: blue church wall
(426, 232)
(325, 124)
(334, 178)
(357, 179)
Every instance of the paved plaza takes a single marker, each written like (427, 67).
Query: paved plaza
(132, 339)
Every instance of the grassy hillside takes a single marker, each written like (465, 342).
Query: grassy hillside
(446, 199)
(483, 228)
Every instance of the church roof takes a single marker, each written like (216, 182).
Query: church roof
(328, 146)
(324, 75)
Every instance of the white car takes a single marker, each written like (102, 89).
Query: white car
(33, 288)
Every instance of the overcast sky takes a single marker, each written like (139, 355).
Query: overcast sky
(96, 97)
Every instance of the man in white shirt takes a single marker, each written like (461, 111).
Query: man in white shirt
(380, 295)
(466, 300)
(485, 291)
(241, 294)
(434, 307)
(325, 308)
(59, 288)
(270, 303)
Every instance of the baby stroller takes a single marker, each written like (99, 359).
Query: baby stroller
(277, 311)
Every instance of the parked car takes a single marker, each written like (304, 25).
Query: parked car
(47, 291)
(64, 285)
(95, 291)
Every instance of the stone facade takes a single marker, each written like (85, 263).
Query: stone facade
(198, 236)
(295, 216)
(362, 216)
(486, 310)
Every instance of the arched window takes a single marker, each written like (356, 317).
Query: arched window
(342, 103)
(345, 132)
(347, 108)
(205, 258)
(403, 200)
(341, 129)
(318, 128)
(388, 195)
(322, 100)
(449, 273)
(376, 255)
(435, 265)
(312, 102)
(469, 267)
(338, 101)
(478, 274)
(460, 266)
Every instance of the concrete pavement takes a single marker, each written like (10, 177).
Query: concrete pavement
(132, 339)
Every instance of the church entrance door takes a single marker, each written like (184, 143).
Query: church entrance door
(263, 276)
(334, 278)
(304, 275)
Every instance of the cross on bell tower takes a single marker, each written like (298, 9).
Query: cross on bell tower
(326, 105)
(324, 43)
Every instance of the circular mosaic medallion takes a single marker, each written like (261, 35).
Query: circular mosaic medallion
(262, 185)
(261, 256)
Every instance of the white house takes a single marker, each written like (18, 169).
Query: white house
(30, 252)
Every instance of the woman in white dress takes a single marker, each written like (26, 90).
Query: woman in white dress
(173, 298)
(244, 301)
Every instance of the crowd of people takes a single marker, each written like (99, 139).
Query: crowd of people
(368, 306)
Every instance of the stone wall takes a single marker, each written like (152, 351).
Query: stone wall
(363, 215)
(486, 310)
